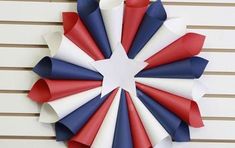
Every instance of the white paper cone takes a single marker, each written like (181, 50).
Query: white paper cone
(158, 136)
(187, 88)
(63, 49)
(105, 135)
(55, 110)
(112, 13)
(171, 30)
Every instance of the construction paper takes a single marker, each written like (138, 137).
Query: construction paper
(86, 135)
(56, 69)
(158, 136)
(63, 49)
(189, 68)
(185, 109)
(45, 90)
(104, 137)
(90, 14)
(171, 30)
(185, 47)
(152, 21)
(55, 110)
(112, 14)
(177, 128)
(139, 136)
(119, 71)
(122, 135)
(187, 88)
(72, 123)
(76, 31)
(134, 11)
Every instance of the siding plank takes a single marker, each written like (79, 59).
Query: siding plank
(23, 80)
(29, 57)
(51, 12)
(22, 34)
(209, 107)
(30, 126)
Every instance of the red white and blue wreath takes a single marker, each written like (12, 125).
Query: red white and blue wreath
(122, 75)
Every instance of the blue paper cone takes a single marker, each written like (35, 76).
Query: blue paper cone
(122, 135)
(185, 69)
(56, 69)
(177, 128)
(71, 124)
(152, 21)
(90, 14)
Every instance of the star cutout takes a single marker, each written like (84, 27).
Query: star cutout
(119, 71)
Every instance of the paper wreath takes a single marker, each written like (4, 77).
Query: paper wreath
(101, 93)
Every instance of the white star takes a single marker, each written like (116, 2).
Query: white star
(119, 71)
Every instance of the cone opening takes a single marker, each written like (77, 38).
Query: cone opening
(40, 91)
(44, 67)
(54, 41)
(48, 114)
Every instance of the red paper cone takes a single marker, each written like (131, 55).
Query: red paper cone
(85, 137)
(139, 136)
(184, 108)
(45, 90)
(133, 14)
(76, 31)
(185, 47)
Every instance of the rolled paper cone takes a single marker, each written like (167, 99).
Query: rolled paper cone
(189, 68)
(56, 69)
(134, 11)
(63, 49)
(152, 21)
(45, 90)
(158, 136)
(185, 109)
(177, 128)
(122, 135)
(72, 123)
(86, 135)
(104, 137)
(171, 30)
(90, 14)
(75, 30)
(187, 88)
(139, 136)
(112, 14)
(55, 110)
(185, 47)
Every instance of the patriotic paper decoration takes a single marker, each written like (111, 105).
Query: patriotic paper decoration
(121, 75)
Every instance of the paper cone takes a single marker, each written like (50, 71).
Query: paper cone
(86, 135)
(57, 69)
(152, 21)
(139, 136)
(187, 88)
(157, 134)
(185, 47)
(90, 14)
(122, 135)
(104, 137)
(63, 49)
(72, 123)
(177, 128)
(45, 90)
(189, 68)
(112, 14)
(171, 30)
(184, 108)
(75, 30)
(55, 110)
(134, 11)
